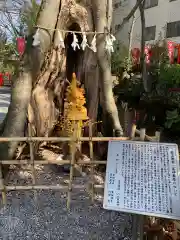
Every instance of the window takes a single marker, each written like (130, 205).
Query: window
(150, 33)
(173, 29)
(150, 3)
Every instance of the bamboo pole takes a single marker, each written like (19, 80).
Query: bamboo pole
(142, 134)
(133, 131)
(60, 139)
(2, 187)
(45, 162)
(46, 187)
(157, 135)
(79, 134)
(91, 159)
(73, 150)
(91, 162)
(31, 148)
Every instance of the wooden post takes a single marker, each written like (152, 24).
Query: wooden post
(135, 216)
(141, 217)
(138, 220)
(92, 160)
(32, 159)
(157, 135)
(3, 192)
(73, 150)
(153, 219)
(134, 227)
(133, 131)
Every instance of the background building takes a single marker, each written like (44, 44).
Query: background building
(162, 21)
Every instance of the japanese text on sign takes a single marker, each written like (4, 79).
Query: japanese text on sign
(142, 178)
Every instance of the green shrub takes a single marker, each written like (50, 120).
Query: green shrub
(173, 120)
(169, 74)
(119, 59)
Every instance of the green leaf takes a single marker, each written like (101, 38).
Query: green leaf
(169, 124)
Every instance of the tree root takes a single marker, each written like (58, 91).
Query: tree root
(20, 150)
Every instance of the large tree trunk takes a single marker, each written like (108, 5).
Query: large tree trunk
(22, 85)
(38, 91)
(103, 23)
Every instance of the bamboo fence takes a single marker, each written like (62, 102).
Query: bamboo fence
(73, 165)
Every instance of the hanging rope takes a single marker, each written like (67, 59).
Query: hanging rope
(70, 31)
(109, 39)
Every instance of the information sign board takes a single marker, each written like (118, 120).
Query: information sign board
(143, 178)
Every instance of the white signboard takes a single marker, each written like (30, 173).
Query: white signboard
(143, 178)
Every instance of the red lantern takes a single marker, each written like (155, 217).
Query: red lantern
(171, 51)
(147, 51)
(1, 79)
(135, 52)
(21, 45)
(178, 60)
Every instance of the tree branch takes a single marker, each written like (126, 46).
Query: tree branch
(143, 63)
(127, 18)
(109, 13)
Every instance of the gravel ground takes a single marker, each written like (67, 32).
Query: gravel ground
(47, 218)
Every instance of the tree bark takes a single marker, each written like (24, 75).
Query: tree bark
(17, 113)
(104, 61)
(22, 87)
(38, 91)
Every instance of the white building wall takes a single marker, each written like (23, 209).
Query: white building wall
(118, 15)
(166, 11)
